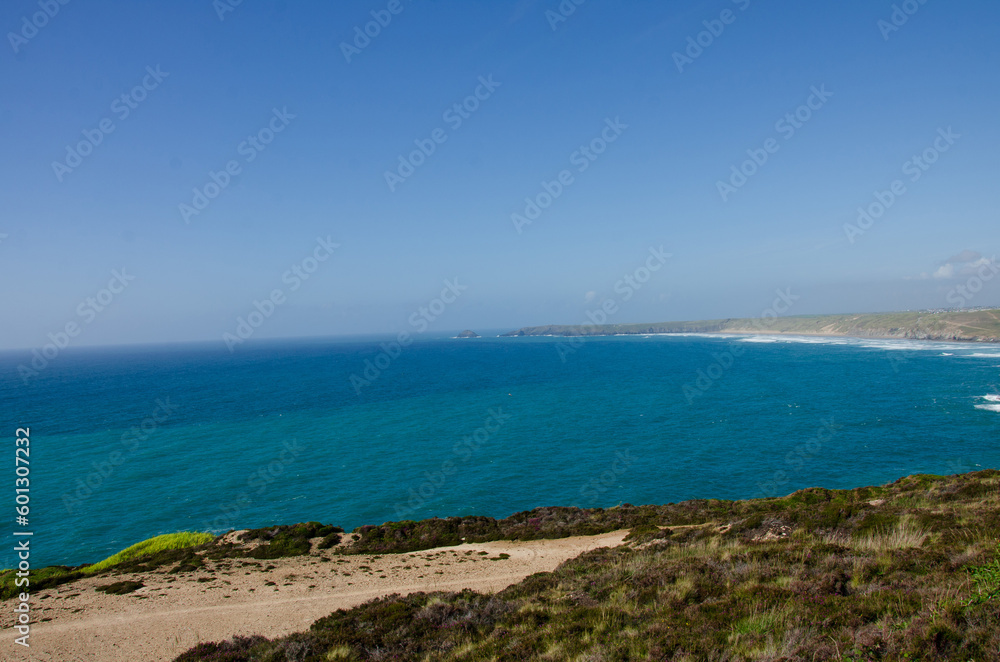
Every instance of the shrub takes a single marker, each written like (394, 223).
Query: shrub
(237, 649)
(646, 533)
(282, 541)
(119, 588)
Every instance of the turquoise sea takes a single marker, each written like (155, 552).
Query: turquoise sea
(128, 443)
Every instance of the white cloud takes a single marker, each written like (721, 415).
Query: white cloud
(590, 296)
(945, 271)
(961, 264)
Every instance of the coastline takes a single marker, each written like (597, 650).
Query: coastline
(752, 332)
(832, 334)
(974, 326)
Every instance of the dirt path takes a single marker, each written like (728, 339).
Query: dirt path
(171, 613)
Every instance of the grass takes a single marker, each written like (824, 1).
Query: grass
(985, 582)
(146, 555)
(185, 552)
(905, 534)
(168, 541)
(914, 577)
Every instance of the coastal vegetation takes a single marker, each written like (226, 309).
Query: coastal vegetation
(148, 554)
(972, 325)
(904, 571)
(151, 547)
(185, 552)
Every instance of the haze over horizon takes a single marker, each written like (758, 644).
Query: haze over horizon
(497, 164)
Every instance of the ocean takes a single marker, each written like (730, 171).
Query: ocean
(131, 442)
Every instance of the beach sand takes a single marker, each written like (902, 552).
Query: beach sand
(172, 613)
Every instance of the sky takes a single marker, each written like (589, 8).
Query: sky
(181, 171)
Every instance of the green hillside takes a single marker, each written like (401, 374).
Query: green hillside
(975, 326)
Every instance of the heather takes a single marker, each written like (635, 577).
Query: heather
(905, 571)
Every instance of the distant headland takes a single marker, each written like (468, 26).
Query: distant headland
(978, 325)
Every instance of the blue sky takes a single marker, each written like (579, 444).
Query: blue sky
(553, 87)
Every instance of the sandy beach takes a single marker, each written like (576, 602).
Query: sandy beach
(172, 612)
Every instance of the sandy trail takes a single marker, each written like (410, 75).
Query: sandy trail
(171, 613)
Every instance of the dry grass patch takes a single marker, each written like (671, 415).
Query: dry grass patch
(904, 535)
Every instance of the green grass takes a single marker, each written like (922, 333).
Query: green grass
(167, 541)
(185, 552)
(985, 582)
(149, 554)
